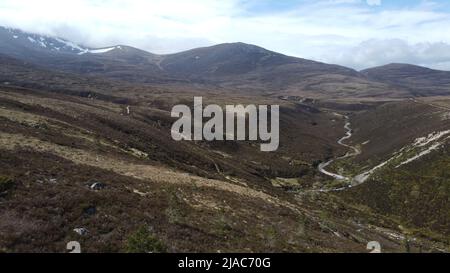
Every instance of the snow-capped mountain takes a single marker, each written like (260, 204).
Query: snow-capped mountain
(119, 61)
(16, 39)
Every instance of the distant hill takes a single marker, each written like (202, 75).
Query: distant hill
(421, 81)
(238, 58)
(251, 67)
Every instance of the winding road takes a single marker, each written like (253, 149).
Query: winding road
(353, 152)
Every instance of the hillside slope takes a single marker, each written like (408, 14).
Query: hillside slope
(421, 81)
(407, 158)
(188, 197)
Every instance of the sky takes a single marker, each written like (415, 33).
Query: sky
(353, 33)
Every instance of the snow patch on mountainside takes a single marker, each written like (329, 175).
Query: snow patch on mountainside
(421, 154)
(54, 44)
(420, 147)
(72, 45)
(423, 141)
(100, 50)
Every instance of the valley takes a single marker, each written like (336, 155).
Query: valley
(362, 157)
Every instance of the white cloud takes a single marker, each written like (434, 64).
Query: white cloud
(373, 2)
(372, 53)
(323, 30)
(158, 25)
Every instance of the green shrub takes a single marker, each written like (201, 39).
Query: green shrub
(175, 211)
(6, 183)
(144, 241)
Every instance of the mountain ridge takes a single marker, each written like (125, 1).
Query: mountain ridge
(241, 66)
